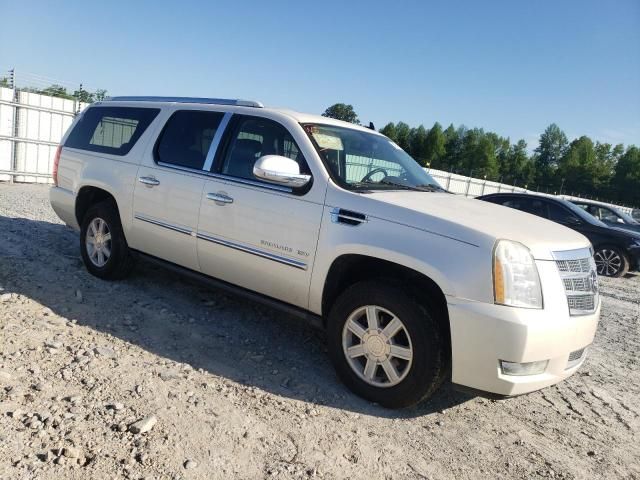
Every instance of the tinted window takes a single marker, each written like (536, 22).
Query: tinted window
(561, 215)
(113, 130)
(255, 137)
(529, 205)
(186, 138)
(605, 214)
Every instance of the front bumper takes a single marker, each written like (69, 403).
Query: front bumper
(483, 334)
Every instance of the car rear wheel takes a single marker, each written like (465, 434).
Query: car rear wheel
(103, 246)
(385, 345)
(611, 261)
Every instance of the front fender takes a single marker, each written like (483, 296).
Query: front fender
(458, 268)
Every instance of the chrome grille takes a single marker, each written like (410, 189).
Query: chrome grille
(577, 284)
(581, 265)
(579, 277)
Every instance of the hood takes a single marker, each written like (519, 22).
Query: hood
(472, 221)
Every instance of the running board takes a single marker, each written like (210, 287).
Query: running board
(311, 318)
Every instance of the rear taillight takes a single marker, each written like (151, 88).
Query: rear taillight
(56, 161)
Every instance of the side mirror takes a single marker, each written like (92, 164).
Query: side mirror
(619, 220)
(280, 170)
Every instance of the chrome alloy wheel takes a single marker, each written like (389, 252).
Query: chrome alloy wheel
(377, 346)
(98, 242)
(608, 262)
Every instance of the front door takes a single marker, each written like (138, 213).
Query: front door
(254, 234)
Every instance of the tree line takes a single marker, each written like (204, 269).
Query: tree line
(557, 165)
(81, 95)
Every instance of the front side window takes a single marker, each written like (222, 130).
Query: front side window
(360, 160)
(255, 137)
(113, 130)
(186, 138)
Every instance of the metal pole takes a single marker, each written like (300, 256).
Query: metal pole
(14, 146)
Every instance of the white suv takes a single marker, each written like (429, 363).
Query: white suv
(335, 223)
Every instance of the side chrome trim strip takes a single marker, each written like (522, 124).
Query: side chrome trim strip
(254, 251)
(170, 226)
(215, 143)
(242, 181)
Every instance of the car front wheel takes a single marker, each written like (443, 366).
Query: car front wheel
(385, 345)
(611, 261)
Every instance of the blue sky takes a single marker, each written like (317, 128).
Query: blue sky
(508, 66)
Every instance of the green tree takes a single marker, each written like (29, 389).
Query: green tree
(626, 178)
(552, 147)
(83, 96)
(434, 146)
(417, 141)
(4, 82)
(403, 132)
(578, 167)
(390, 131)
(515, 166)
(100, 94)
(342, 111)
(56, 91)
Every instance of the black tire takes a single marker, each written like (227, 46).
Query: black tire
(611, 261)
(429, 364)
(120, 262)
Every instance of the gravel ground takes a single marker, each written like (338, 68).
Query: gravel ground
(157, 377)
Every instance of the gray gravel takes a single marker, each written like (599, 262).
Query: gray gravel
(239, 391)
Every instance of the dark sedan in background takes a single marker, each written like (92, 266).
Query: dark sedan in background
(609, 215)
(615, 251)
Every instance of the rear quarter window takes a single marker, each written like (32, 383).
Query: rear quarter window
(112, 130)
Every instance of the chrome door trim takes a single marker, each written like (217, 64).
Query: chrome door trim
(253, 251)
(169, 226)
(219, 176)
(215, 143)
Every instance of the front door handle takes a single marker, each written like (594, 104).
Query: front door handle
(220, 198)
(150, 181)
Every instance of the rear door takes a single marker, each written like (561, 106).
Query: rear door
(254, 234)
(169, 187)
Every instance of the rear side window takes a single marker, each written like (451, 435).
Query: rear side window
(186, 138)
(113, 130)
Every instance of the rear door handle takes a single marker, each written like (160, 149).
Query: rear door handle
(150, 181)
(220, 198)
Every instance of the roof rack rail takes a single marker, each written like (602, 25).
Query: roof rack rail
(211, 101)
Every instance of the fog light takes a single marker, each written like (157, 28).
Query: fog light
(530, 368)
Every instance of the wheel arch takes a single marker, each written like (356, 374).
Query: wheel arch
(348, 269)
(89, 195)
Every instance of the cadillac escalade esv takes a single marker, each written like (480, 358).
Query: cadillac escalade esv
(336, 223)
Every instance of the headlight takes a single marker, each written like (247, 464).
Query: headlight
(515, 277)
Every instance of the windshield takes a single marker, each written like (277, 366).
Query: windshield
(367, 161)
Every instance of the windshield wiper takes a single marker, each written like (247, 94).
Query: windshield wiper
(416, 188)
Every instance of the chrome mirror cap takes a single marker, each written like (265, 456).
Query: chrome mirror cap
(280, 170)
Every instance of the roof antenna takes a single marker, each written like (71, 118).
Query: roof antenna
(371, 127)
